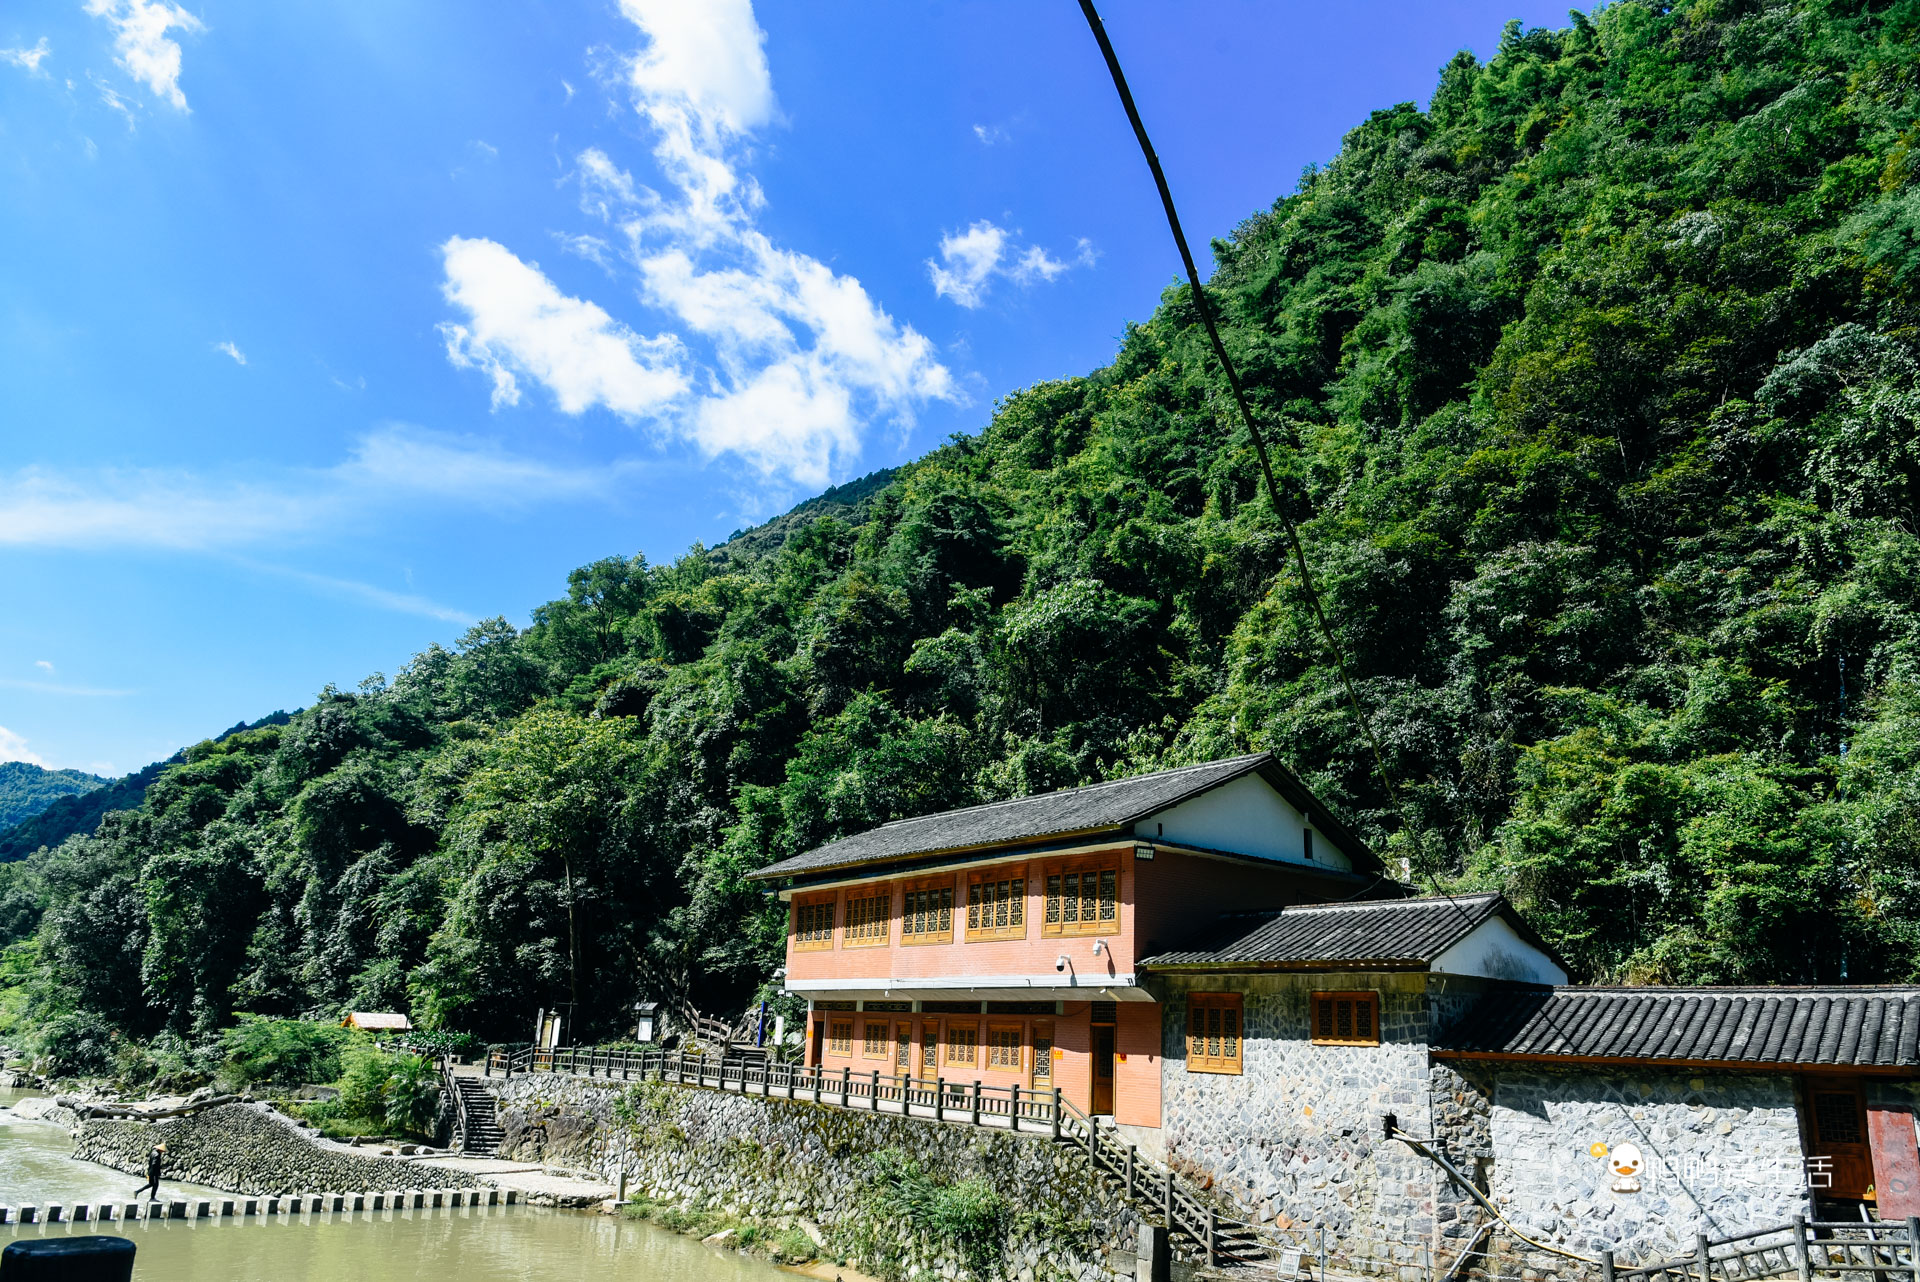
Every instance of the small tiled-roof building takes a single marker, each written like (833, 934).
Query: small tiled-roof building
(378, 1022)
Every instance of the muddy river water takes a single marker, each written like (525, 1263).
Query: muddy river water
(479, 1244)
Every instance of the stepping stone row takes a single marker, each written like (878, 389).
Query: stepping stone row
(235, 1207)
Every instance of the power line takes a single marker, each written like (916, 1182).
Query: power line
(1240, 399)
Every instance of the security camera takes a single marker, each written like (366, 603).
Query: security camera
(1099, 946)
(1060, 962)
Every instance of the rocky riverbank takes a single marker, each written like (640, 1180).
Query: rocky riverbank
(246, 1149)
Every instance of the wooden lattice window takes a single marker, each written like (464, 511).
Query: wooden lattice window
(869, 921)
(1003, 1047)
(963, 1045)
(1346, 1019)
(1043, 1054)
(840, 1037)
(873, 1039)
(926, 916)
(1082, 900)
(813, 923)
(996, 907)
(1213, 1032)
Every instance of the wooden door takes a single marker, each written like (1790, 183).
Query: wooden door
(929, 1050)
(1841, 1164)
(903, 1048)
(1103, 1068)
(819, 1040)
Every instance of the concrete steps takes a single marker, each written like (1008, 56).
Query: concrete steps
(482, 1135)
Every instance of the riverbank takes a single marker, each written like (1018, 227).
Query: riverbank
(249, 1149)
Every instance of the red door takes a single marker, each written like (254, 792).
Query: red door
(1841, 1164)
(1103, 1069)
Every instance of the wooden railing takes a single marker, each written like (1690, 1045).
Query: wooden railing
(1803, 1247)
(1203, 1231)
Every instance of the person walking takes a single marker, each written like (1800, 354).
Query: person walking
(156, 1159)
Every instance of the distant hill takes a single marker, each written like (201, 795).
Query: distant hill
(27, 789)
(78, 810)
(848, 502)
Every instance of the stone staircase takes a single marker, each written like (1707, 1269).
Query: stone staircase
(482, 1134)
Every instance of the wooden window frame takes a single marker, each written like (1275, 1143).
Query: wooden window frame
(803, 926)
(863, 929)
(908, 910)
(1216, 1033)
(1042, 1054)
(1015, 902)
(948, 1045)
(1019, 1046)
(1355, 1000)
(1053, 923)
(836, 1045)
(883, 1026)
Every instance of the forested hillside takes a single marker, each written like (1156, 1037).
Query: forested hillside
(1596, 384)
(27, 789)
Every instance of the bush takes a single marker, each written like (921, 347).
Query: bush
(290, 1051)
(412, 1095)
(968, 1213)
(79, 1044)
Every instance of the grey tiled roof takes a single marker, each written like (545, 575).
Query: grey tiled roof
(1863, 1027)
(1113, 805)
(1394, 932)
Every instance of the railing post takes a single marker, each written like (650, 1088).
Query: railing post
(1013, 1109)
(1913, 1245)
(875, 1102)
(1705, 1259)
(489, 1070)
(974, 1115)
(1130, 1151)
(1056, 1112)
(1801, 1245)
(846, 1086)
(1167, 1196)
(1606, 1265)
(1320, 1236)
(1213, 1229)
(939, 1099)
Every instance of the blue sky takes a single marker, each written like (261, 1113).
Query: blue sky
(328, 328)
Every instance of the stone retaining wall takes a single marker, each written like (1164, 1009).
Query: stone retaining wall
(793, 1163)
(245, 1149)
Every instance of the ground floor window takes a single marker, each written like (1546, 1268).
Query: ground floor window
(873, 1044)
(1003, 1047)
(1346, 1019)
(840, 1037)
(1213, 1032)
(963, 1045)
(1043, 1054)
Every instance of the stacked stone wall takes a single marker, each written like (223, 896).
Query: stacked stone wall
(242, 1149)
(794, 1163)
(1295, 1139)
(1720, 1152)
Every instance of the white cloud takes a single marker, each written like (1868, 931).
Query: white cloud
(519, 324)
(141, 43)
(970, 260)
(30, 59)
(43, 664)
(14, 748)
(47, 687)
(795, 359)
(226, 346)
(990, 134)
(191, 512)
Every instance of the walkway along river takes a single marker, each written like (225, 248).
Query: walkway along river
(514, 1243)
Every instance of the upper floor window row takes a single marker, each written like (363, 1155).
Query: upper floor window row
(1078, 899)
